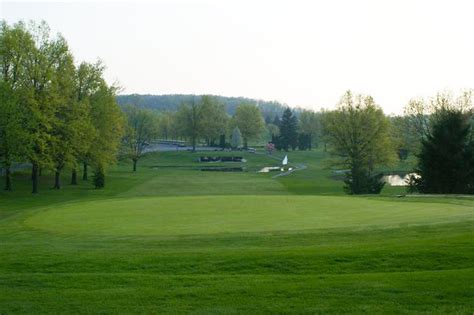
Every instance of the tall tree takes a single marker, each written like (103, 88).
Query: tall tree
(249, 120)
(358, 132)
(190, 120)
(446, 160)
(11, 131)
(214, 119)
(65, 131)
(108, 121)
(89, 80)
(15, 42)
(310, 128)
(41, 103)
(140, 131)
(166, 125)
(288, 130)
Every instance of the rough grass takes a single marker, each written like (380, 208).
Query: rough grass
(178, 240)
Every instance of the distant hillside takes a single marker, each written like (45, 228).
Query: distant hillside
(171, 103)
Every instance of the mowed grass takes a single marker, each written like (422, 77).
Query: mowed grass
(173, 239)
(236, 214)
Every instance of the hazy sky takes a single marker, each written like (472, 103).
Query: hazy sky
(303, 53)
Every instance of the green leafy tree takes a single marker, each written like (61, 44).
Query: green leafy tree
(108, 121)
(41, 100)
(11, 131)
(249, 120)
(359, 136)
(166, 126)
(15, 42)
(65, 131)
(190, 121)
(404, 137)
(140, 131)
(89, 80)
(214, 119)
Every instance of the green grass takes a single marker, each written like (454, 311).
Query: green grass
(173, 239)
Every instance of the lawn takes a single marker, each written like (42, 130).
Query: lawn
(173, 239)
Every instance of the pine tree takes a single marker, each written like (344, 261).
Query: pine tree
(446, 160)
(288, 130)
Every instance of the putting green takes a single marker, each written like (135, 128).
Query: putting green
(237, 214)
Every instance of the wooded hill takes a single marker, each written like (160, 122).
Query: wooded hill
(171, 102)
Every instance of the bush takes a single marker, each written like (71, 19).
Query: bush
(99, 177)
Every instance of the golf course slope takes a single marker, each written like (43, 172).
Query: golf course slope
(171, 238)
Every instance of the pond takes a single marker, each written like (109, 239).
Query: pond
(397, 179)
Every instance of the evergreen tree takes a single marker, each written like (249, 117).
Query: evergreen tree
(446, 160)
(288, 130)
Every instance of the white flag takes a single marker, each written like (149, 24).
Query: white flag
(285, 160)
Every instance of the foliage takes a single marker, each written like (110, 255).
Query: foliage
(309, 129)
(108, 121)
(171, 103)
(214, 119)
(190, 120)
(140, 131)
(236, 138)
(359, 135)
(446, 160)
(288, 130)
(99, 177)
(249, 120)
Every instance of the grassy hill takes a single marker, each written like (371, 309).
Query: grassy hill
(172, 239)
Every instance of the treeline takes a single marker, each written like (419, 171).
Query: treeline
(438, 131)
(358, 135)
(53, 114)
(172, 102)
(57, 116)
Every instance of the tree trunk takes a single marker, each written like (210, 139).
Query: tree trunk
(57, 180)
(40, 171)
(84, 173)
(74, 177)
(245, 144)
(8, 179)
(34, 177)
(194, 144)
(135, 165)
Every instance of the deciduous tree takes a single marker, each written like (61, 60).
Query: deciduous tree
(249, 120)
(141, 129)
(358, 132)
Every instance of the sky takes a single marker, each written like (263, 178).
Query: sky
(302, 53)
